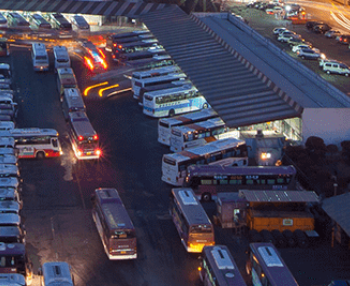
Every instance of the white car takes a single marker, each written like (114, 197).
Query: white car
(321, 62)
(278, 30)
(284, 37)
(337, 68)
(301, 46)
(309, 54)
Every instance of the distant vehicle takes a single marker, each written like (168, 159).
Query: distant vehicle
(191, 221)
(321, 29)
(309, 54)
(336, 68)
(114, 225)
(321, 62)
(5, 74)
(332, 34)
(311, 24)
(148, 54)
(65, 79)
(10, 194)
(37, 21)
(3, 21)
(60, 23)
(343, 39)
(150, 63)
(286, 37)
(217, 264)
(79, 23)
(62, 59)
(278, 30)
(12, 279)
(269, 9)
(300, 46)
(40, 57)
(296, 41)
(72, 101)
(56, 273)
(133, 47)
(278, 10)
(93, 57)
(114, 39)
(16, 20)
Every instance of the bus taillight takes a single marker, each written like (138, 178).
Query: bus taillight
(104, 65)
(95, 137)
(114, 45)
(98, 152)
(79, 153)
(80, 138)
(101, 53)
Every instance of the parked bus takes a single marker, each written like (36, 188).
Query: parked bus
(10, 194)
(165, 125)
(72, 100)
(12, 279)
(133, 47)
(56, 273)
(60, 23)
(169, 102)
(150, 63)
(14, 259)
(154, 81)
(9, 170)
(266, 266)
(219, 268)
(191, 221)
(148, 54)
(225, 152)
(6, 126)
(37, 21)
(83, 137)
(65, 79)
(36, 143)
(9, 207)
(114, 225)
(12, 234)
(207, 181)
(62, 59)
(114, 39)
(153, 73)
(39, 57)
(199, 134)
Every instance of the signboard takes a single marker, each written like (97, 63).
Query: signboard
(288, 221)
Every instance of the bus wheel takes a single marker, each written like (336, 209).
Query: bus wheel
(206, 197)
(171, 112)
(40, 155)
(205, 105)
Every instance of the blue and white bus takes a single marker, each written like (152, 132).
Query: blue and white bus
(169, 102)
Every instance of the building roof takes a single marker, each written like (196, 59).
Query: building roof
(338, 208)
(279, 196)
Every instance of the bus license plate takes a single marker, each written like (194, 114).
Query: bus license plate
(88, 153)
(123, 252)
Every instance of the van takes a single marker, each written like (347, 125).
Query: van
(337, 68)
(62, 59)
(10, 194)
(54, 273)
(40, 57)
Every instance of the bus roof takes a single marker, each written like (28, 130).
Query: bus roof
(164, 77)
(12, 279)
(248, 170)
(144, 43)
(130, 34)
(8, 159)
(57, 274)
(113, 209)
(61, 52)
(74, 98)
(8, 140)
(157, 71)
(7, 125)
(10, 218)
(190, 206)
(19, 132)
(9, 182)
(81, 124)
(7, 192)
(163, 92)
(279, 196)
(8, 169)
(201, 126)
(12, 248)
(223, 265)
(272, 263)
(189, 117)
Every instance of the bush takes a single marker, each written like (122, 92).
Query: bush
(345, 146)
(332, 148)
(315, 143)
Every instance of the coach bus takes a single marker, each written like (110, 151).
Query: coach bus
(219, 268)
(114, 39)
(173, 101)
(114, 225)
(83, 137)
(72, 100)
(14, 259)
(199, 134)
(150, 63)
(133, 47)
(266, 266)
(65, 79)
(207, 181)
(191, 221)
(148, 54)
(165, 125)
(36, 143)
(225, 152)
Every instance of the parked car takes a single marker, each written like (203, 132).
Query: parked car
(285, 36)
(321, 29)
(278, 10)
(311, 24)
(300, 46)
(309, 54)
(343, 39)
(251, 4)
(321, 62)
(270, 9)
(294, 41)
(336, 68)
(278, 30)
(263, 6)
(332, 33)
(257, 4)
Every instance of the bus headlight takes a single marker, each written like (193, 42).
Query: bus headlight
(265, 156)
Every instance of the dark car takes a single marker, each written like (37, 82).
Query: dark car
(263, 6)
(343, 39)
(257, 4)
(311, 24)
(321, 29)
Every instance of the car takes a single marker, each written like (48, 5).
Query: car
(332, 33)
(277, 30)
(251, 4)
(310, 24)
(284, 37)
(343, 39)
(270, 9)
(79, 23)
(278, 10)
(309, 54)
(293, 41)
(337, 68)
(263, 6)
(321, 29)
(257, 4)
(300, 46)
(321, 62)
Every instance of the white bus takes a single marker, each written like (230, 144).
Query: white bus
(62, 59)
(40, 57)
(191, 221)
(153, 81)
(165, 125)
(72, 100)
(225, 152)
(65, 79)
(199, 134)
(56, 273)
(169, 102)
(153, 73)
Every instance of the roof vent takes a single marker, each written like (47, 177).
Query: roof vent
(259, 134)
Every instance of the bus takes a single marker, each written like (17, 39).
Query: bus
(36, 143)
(65, 79)
(37, 21)
(133, 47)
(266, 266)
(14, 259)
(114, 39)
(93, 57)
(83, 137)
(10, 194)
(148, 54)
(150, 63)
(199, 134)
(207, 181)
(153, 73)
(154, 81)
(12, 279)
(61, 56)
(60, 23)
(217, 267)
(191, 221)
(114, 225)
(226, 152)
(56, 273)
(72, 101)
(169, 102)
(39, 57)
(165, 125)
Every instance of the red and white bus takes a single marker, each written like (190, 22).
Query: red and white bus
(36, 143)
(83, 137)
